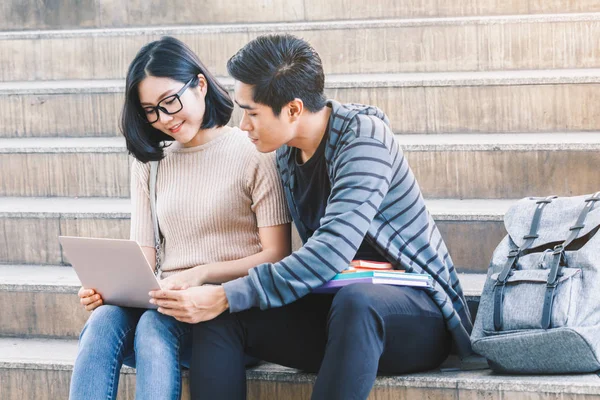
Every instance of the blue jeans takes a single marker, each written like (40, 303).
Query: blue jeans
(155, 344)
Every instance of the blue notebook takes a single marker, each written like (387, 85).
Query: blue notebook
(375, 278)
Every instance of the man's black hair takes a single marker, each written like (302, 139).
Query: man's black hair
(281, 68)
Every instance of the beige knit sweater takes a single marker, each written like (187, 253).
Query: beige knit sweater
(211, 199)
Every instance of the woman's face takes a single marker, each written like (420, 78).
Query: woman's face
(184, 125)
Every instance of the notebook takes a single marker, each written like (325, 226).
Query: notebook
(376, 278)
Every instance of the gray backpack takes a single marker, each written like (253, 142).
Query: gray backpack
(540, 307)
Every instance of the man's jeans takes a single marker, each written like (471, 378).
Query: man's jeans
(155, 344)
(348, 338)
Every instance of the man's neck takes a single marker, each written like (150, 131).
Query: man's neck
(311, 132)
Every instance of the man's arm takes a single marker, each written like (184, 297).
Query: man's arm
(363, 172)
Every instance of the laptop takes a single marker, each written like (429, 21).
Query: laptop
(116, 269)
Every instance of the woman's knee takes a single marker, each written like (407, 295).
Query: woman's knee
(154, 324)
(108, 320)
(157, 332)
(108, 334)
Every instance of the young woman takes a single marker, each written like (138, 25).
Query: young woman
(220, 207)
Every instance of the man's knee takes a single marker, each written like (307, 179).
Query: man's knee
(225, 327)
(353, 306)
(353, 299)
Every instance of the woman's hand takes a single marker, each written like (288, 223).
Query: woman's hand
(182, 280)
(89, 298)
(193, 305)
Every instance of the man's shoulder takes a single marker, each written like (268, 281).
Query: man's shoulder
(358, 120)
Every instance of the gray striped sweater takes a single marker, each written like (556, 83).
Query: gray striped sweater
(374, 196)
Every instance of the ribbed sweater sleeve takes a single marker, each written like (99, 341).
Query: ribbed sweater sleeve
(363, 170)
(268, 199)
(141, 229)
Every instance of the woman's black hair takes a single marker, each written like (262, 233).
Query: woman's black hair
(281, 68)
(168, 58)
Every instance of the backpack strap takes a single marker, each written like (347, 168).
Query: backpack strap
(559, 256)
(157, 236)
(513, 256)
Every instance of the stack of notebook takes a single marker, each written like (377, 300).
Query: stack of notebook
(377, 273)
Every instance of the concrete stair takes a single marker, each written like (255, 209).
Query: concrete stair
(491, 100)
(551, 41)
(509, 165)
(547, 101)
(44, 302)
(471, 228)
(20, 359)
(61, 14)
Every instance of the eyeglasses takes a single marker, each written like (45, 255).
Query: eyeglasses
(169, 105)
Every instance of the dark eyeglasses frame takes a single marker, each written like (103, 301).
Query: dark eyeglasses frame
(158, 107)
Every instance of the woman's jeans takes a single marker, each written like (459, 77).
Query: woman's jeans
(155, 344)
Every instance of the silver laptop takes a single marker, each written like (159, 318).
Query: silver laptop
(116, 269)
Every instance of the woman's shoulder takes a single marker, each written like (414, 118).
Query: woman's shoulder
(240, 139)
(140, 168)
(242, 147)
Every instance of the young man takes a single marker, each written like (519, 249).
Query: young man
(352, 195)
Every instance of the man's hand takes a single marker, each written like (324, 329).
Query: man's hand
(192, 305)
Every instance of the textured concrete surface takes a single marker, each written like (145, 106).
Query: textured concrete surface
(44, 302)
(41, 360)
(471, 228)
(29, 227)
(368, 46)
(508, 165)
(458, 102)
(61, 14)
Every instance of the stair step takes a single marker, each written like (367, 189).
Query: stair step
(44, 300)
(40, 221)
(31, 14)
(46, 367)
(490, 166)
(508, 165)
(451, 102)
(361, 46)
(471, 228)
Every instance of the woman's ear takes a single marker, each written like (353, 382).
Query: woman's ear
(202, 84)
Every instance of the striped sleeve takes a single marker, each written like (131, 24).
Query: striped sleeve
(362, 173)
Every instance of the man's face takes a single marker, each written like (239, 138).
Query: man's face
(267, 131)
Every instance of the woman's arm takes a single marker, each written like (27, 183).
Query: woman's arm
(275, 242)
(150, 254)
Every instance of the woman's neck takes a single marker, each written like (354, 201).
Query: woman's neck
(206, 135)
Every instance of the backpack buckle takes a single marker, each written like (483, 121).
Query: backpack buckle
(552, 285)
(593, 198)
(547, 200)
(558, 249)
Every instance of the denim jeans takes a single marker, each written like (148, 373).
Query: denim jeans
(155, 344)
